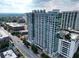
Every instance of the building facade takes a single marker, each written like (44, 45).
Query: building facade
(68, 43)
(70, 20)
(14, 27)
(53, 23)
(4, 39)
(42, 28)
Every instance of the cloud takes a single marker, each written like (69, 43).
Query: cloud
(55, 4)
(58, 4)
(22, 6)
(14, 6)
(39, 1)
(74, 0)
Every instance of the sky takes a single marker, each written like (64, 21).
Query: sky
(23, 6)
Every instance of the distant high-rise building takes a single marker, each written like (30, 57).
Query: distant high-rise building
(42, 28)
(70, 20)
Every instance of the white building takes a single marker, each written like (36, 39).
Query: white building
(68, 43)
(4, 39)
(9, 54)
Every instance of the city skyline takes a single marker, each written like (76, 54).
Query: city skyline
(40, 34)
(23, 6)
(39, 29)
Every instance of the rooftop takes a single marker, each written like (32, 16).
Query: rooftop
(3, 34)
(15, 24)
(73, 35)
(9, 54)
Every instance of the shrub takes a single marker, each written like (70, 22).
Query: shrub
(76, 55)
(34, 48)
(67, 36)
(26, 43)
(15, 33)
(43, 55)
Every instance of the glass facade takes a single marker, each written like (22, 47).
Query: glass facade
(44, 25)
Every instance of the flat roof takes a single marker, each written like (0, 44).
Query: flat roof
(73, 35)
(3, 34)
(12, 24)
(9, 54)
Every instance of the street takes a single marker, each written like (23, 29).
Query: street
(27, 53)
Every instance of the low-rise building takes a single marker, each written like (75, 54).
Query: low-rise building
(68, 43)
(14, 27)
(9, 54)
(4, 39)
(23, 32)
(17, 28)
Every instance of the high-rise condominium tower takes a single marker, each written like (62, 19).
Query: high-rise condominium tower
(42, 28)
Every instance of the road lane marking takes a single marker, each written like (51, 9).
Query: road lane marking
(21, 52)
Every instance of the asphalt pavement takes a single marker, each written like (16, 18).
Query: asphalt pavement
(27, 53)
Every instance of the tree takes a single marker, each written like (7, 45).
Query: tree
(15, 33)
(26, 43)
(4, 45)
(34, 48)
(14, 20)
(67, 36)
(43, 55)
(76, 55)
(58, 36)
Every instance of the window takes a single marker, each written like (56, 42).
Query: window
(65, 44)
(64, 51)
